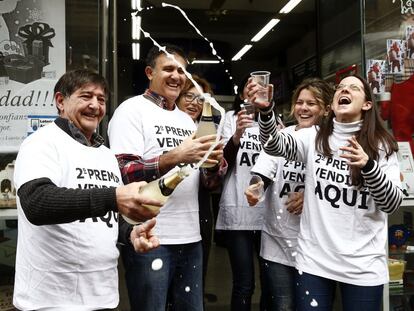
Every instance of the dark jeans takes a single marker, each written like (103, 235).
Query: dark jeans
(314, 291)
(206, 226)
(242, 246)
(279, 282)
(180, 277)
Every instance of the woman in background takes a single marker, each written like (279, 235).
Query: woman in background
(239, 223)
(284, 200)
(191, 103)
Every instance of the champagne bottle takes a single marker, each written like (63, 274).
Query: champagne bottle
(206, 125)
(160, 189)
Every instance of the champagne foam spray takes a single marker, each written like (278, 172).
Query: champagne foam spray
(207, 96)
(268, 141)
(212, 101)
(213, 50)
(216, 105)
(211, 45)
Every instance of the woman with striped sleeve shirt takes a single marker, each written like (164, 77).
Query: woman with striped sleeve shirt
(352, 183)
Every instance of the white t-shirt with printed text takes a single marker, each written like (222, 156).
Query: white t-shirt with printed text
(342, 234)
(142, 128)
(74, 265)
(235, 212)
(280, 228)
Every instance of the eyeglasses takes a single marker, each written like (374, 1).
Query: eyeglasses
(190, 97)
(352, 87)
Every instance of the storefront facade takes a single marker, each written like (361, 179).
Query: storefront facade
(40, 41)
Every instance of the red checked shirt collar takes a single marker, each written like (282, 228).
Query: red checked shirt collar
(157, 99)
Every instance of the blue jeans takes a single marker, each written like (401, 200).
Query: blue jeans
(312, 291)
(279, 282)
(242, 246)
(180, 278)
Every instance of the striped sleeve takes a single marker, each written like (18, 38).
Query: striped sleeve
(275, 142)
(387, 196)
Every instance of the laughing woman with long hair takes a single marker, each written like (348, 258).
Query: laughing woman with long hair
(352, 184)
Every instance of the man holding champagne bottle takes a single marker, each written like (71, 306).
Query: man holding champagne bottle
(151, 136)
(69, 191)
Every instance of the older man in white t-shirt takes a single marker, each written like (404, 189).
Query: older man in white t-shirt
(69, 193)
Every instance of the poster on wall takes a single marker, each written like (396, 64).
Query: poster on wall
(395, 55)
(32, 57)
(409, 38)
(376, 75)
(407, 6)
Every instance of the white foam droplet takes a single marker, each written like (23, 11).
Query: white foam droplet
(300, 272)
(307, 293)
(314, 303)
(268, 141)
(156, 264)
(187, 289)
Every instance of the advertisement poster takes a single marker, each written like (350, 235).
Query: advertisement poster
(32, 57)
(376, 75)
(409, 37)
(395, 53)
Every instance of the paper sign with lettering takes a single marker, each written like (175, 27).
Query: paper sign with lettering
(32, 57)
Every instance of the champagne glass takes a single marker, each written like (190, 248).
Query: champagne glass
(256, 187)
(262, 79)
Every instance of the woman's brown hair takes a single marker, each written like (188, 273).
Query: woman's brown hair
(200, 81)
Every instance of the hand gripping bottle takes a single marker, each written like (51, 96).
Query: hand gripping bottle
(161, 188)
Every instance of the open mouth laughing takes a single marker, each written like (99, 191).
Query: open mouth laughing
(344, 100)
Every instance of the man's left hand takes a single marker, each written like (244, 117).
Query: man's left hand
(143, 238)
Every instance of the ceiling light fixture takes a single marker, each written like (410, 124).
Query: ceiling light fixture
(242, 52)
(136, 4)
(272, 23)
(205, 61)
(136, 26)
(135, 51)
(289, 6)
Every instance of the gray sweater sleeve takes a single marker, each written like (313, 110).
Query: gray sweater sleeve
(44, 203)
